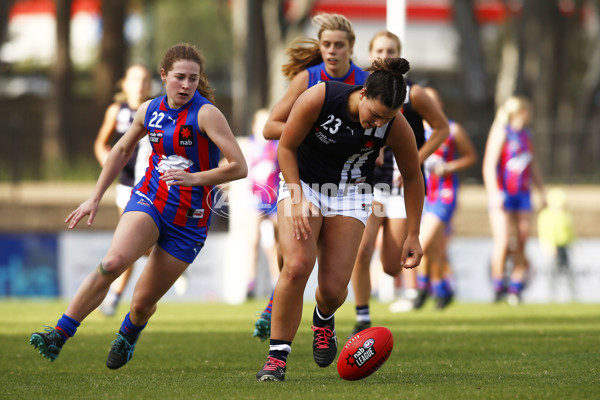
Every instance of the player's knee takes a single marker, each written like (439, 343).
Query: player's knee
(392, 268)
(143, 307)
(297, 269)
(114, 264)
(333, 295)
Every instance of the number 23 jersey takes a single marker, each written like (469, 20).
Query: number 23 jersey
(178, 143)
(339, 150)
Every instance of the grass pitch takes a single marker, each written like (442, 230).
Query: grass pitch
(206, 351)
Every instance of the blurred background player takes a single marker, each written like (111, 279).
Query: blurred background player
(263, 176)
(455, 154)
(510, 169)
(135, 89)
(555, 233)
(389, 211)
(328, 58)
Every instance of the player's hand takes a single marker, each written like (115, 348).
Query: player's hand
(178, 177)
(412, 252)
(88, 207)
(440, 169)
(299, 213)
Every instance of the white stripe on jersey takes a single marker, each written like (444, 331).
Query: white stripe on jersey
(379, 132)
(353, 165)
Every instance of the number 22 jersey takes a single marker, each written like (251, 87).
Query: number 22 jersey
(178, 143)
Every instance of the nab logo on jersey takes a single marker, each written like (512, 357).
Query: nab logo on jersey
(186, 138)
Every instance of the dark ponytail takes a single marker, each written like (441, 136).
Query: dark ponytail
(386, 81)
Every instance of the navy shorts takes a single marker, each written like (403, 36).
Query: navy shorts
(182, 242)
(443, 211)
(520, 201)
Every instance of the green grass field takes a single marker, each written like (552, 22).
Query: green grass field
(469, 351)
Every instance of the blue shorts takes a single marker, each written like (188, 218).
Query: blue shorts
(443, 211)
(517, 202)
(182, 242)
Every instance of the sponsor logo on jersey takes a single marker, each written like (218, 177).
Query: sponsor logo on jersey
(155, 136)
(195, 213)
(186, 137)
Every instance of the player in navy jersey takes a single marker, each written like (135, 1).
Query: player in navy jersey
(510, 169)
(169, 209)
(135, 89)
(312, 61)
(327, 155)
(391, 218)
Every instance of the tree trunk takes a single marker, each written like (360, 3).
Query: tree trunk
(111, 66)
(5, 6)
(56, 113)
(471, 52)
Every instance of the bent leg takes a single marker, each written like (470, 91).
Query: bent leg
(160, 273)
(361, 275)
(394, 235)
(135, 233)
(338, 246)
(299, 258)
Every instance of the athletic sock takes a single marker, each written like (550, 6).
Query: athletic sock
(320, 319)
(269, 307)
(422, 282)
(410, 293)
(280, 349)
(498, 285)
(448, 285)
(129, 328)
(66, 326)
(362, 314)
(515, 287)
(439, 289)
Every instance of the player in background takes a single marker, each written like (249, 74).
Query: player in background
(169, 209)
(135, 90)
(263, 177)
(510, 170)
(556, 235)
(457, 153)
(391, 215)
(328, 58)
(327, 156)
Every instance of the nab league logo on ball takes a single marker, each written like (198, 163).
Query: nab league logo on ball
(363, 354)
(258, 197)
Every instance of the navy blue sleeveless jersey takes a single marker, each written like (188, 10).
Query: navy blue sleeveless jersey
(124, 118)
(338, 150)
(178, 143)
(318, 73)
